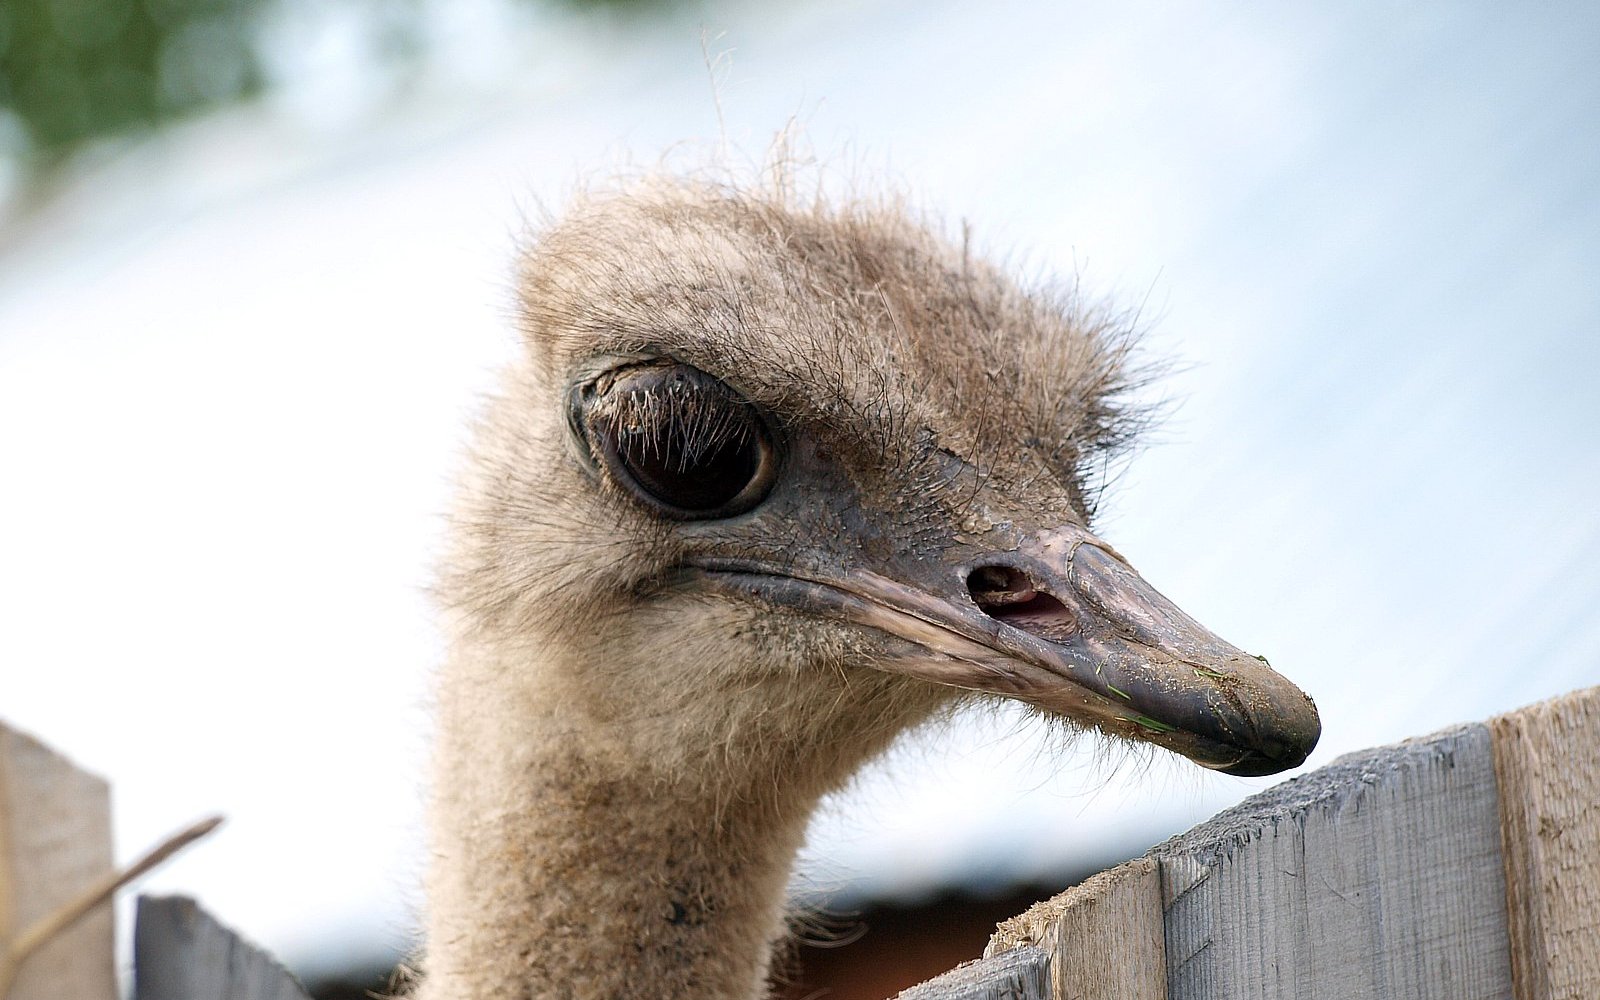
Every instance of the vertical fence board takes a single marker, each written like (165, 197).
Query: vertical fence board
(1548, 760)
(181, 953)
(55, 841)
(1377, 876)
(1105, 937)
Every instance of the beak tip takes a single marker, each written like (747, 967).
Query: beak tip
(1287, 749)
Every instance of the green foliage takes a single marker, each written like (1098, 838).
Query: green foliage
(75, 70)
(72, 71)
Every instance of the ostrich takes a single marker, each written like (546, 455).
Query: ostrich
(770, 484)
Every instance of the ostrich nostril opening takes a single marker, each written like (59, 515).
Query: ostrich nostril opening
(1011, 596)
(999, 586)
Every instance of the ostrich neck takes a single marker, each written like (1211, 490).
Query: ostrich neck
(565, 863)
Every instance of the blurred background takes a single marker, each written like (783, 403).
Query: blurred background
(254, 271)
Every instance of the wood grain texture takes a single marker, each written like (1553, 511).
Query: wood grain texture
(1105, 936)
(55, 840)
(1377, 876)
(180, 952)
(1547, 758)
(1021, 974)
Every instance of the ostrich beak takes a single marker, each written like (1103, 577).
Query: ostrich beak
(1062, 622)
(1096, 623)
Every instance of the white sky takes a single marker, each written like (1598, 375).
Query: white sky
(235, 370)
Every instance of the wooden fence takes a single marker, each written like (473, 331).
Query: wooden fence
(1460, 866)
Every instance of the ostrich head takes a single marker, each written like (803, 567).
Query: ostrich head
(779, 482)
(768, 486)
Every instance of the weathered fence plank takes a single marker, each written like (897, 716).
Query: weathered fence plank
(55, 840)
(1106, 935)
(1547, 757)
(180, 952)
(1022, 974)
(1379, 875)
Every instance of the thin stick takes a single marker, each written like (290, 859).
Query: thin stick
(70, 912)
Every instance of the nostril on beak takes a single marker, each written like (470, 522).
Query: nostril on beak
(1007, 594)
(994, 587)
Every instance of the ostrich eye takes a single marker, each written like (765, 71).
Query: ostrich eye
(679, 439)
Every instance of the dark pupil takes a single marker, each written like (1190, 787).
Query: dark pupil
(690, 474)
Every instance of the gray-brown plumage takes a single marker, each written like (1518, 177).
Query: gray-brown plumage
(770, 484)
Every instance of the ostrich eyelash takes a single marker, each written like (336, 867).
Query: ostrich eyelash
(675, 419)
